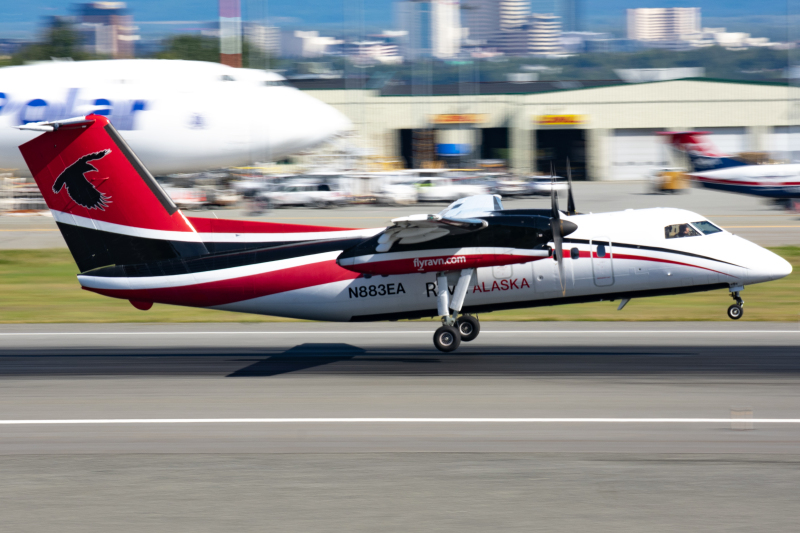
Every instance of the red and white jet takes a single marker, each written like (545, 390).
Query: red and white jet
(130, 241)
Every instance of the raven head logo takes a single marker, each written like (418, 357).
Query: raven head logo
(79, 188)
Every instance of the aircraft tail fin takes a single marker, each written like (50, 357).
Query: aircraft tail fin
(109, 208)
(702, 154)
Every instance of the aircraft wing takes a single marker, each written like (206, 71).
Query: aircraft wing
(423, 228)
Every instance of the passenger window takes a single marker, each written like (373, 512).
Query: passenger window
(706, 227)
(601, 250)
(677, 231)
(324, 187)
(574, 253)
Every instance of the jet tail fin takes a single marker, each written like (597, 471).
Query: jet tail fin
(702, 154)
(109, 208)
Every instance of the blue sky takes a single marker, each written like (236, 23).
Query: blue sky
(19, 19)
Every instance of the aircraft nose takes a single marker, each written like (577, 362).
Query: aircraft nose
(327, 121)
(769, 266)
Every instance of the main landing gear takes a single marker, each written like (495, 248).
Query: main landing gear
(454, 328)
(736, 311)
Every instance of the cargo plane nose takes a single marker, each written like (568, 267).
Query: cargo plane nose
(321, 122)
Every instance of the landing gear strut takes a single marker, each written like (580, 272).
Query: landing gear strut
(454, 329)
(736, 311)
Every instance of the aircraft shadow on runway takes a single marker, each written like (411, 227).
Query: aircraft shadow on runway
(312, 355)
(347, 359)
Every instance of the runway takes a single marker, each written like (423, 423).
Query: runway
(331, 427)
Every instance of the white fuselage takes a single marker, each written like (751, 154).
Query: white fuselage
(781, 180)
(638, 259)
(178, 116)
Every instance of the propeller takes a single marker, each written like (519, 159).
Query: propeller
(570, 200)
(557, 230)
(559, 227)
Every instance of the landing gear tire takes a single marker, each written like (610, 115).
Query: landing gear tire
(469, 327)
(735, 312)
(447, 338)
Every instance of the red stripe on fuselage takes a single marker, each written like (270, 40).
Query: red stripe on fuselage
(734, 181)
(416, 265)
(238, 289)
(645, 258)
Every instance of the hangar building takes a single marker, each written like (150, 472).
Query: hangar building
(608, 129)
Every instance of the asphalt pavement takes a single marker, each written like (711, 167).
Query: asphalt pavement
(364, 427)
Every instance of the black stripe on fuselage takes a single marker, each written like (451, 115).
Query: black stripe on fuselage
(208, 263)
(522, 232)
(94, 249)
(650, 248)
(562, 300)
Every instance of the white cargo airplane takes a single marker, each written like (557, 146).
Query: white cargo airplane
(179, 116)
(130, 241)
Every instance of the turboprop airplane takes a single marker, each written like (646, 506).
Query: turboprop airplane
(130, 241)
(179, 116)
(714, 170)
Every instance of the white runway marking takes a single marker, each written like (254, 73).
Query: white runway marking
(399, 331)
(401, 421)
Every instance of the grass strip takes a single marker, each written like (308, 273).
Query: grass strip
(40, 286)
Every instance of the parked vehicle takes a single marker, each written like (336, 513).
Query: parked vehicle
(188, 197)
(670, 181)
(320, 195)
(446, 189)
(507, 186)
(542, 185)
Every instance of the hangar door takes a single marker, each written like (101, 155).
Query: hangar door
(729, 141)
(784, 143)
(637, 153)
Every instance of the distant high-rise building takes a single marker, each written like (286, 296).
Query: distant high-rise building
(481, 18)
(514, 14)
(266, 39)
(306, 44)
(433, 27)
(107, 29)
(545, 34)
(570, 15)
(663, 24)
(513, 34)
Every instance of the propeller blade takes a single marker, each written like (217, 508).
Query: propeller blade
(553, 195)
(558, 245)
(570, 199)
(557, 228)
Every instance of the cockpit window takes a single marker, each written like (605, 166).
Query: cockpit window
(676, 231)
(706, 227)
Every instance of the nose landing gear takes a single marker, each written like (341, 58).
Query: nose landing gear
(736, 311)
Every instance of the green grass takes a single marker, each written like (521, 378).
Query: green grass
(40, 286)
